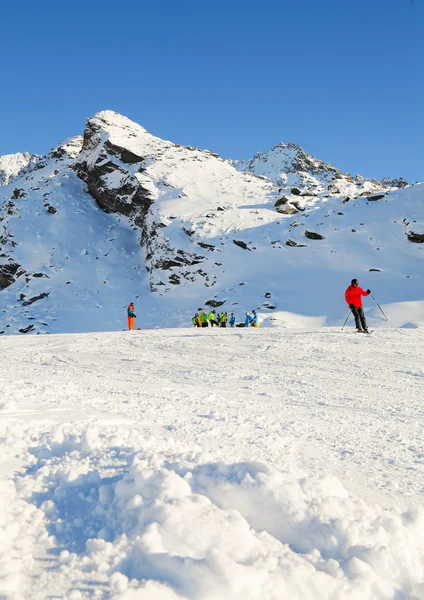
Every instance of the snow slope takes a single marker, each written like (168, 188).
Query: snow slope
(122, 215)
(205, 464)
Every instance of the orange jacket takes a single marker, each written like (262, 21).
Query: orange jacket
(353, 296)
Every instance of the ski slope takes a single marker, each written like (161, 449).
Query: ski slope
(212, 464)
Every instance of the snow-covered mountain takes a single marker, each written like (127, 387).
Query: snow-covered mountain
(288, 166)
(121, 215)
(11, 165)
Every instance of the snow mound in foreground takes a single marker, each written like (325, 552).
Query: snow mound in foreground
(153, 520)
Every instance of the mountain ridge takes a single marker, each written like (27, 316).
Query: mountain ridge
(119, 214)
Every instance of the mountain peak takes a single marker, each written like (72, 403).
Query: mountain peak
(11, 165)
(287, 164)
(110, 118)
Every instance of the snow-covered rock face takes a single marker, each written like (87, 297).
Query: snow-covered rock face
(288, 166)
(11, 165)
(120, 215)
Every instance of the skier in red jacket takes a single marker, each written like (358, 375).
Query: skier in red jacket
(353, 297)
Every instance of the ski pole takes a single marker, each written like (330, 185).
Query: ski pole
(379, 307)
(346, 320)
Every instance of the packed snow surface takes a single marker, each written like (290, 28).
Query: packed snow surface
(212, 464)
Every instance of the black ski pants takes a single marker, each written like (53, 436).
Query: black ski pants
(360, 321)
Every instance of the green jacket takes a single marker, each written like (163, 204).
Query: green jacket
(203, 317)
(211, 316)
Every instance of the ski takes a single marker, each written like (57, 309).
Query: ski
(366, 332)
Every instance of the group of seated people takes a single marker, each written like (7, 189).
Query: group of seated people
(201, 319)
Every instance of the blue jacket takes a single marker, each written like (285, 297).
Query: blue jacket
(247, 320)
(255, 318)
(130, 312)
(232, 320)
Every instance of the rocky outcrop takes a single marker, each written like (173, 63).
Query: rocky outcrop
(287, 209)
(399, 182)
(417, 238)
(314, 236)
(294, 244)
(214, 303)
(281, 201)
(9, 272)
(113, 166)
(241, 244)
(26, 329)
(114, 187)
(35, 298)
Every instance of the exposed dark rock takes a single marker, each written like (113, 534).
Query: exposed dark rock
(241, 244)
(294, 244)
(206, 246)
(220, 208)
(129, 157)
(287, 210)
(377, 270)
(57, 153)
(8, 274)
(340, 213)
(174, 279)
(189, 232)
(40, 275)
(267, 294)
(417, 238)
(26, 329)
(281, 201)
(295, 191)
(35, 298)
(375, 197)
(214, 303)
(346, 200)
(52, 210)
(127, 196)
(399, 182)
(182, 259)
(297, 205)
(10, 208)
(18, 193)
(269, 305)
(314, 236)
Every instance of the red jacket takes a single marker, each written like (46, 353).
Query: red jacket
(353, 296)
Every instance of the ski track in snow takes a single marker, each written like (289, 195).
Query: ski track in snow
(216, 463)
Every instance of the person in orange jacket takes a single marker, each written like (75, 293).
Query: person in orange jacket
(131, 316)
(353, 297)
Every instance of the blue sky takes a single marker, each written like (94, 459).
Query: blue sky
(345, 80)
